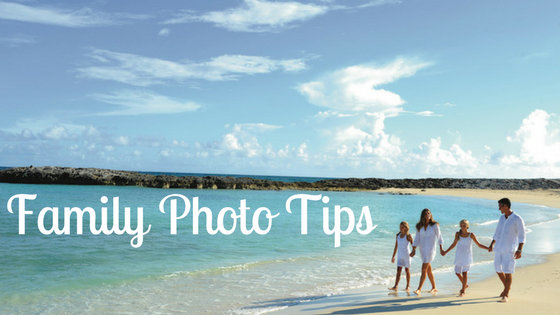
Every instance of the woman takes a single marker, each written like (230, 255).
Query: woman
(427, 235)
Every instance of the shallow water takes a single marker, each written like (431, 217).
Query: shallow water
(209, 274)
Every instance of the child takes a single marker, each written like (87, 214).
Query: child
(463, 255)
(403, 258)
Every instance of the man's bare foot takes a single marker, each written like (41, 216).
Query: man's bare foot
(407, 289)
(393, 288)
(461, 294)
(433, 290)
(417, 292)
(504, 299)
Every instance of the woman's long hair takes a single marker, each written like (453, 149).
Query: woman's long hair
(422, 221)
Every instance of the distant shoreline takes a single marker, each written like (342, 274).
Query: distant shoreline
(107, 177)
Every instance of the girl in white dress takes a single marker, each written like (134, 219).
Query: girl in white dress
(463, 254)
(403, 257)
(428, 234)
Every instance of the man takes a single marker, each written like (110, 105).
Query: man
(508, 240)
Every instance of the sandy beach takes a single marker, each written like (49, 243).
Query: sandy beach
(535, 288)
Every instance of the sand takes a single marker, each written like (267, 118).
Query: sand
(550, 198)
(535, 288)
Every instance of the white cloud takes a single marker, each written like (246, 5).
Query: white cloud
(62, 143)
(540, 141)
(434, 160)
(350, 134)
(365, 142)
(164, 32)
(428, 113)
(57, 132)
(267, 16)
(354, 88)
(122, 140)
(302, 151)
(376, 3)
(242, 141)
(361, 149)
(47, 127)
(532, 57)
(140, 102)
(259, 127)
(257, 16)
(331, 113)
(60, 17)
(18, 40)
(230, 142)
(181, 144)
(144, 71)
(165, 153)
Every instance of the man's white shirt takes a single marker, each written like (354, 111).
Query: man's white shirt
(509, 233)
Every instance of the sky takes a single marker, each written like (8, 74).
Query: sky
(321, 88)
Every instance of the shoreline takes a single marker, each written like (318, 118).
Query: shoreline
(535, 284)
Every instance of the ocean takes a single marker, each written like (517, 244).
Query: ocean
(236, 267)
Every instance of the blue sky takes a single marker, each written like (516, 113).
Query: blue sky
(356, 88)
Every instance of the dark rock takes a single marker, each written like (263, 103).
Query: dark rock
(95, 176)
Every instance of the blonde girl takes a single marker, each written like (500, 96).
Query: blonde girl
(403, 258)
(463, 254)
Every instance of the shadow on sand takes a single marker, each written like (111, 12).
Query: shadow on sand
(400, 305)
(342, 304)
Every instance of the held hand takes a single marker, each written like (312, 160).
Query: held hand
(490, 249)
(413, 253)
(443, 253)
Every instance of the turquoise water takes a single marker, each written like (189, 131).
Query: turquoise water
(209, 274)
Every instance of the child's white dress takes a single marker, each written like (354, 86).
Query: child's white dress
(463, 254)
(403, 252)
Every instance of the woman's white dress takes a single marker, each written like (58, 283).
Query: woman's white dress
(428, 240)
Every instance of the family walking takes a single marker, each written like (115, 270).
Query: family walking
(507, 243)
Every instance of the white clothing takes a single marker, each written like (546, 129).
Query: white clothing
(509, 233)
(403, 252)
(464, 253)
(461, 269)
(504, 262)
(426, 240)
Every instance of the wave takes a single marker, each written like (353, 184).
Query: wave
(487, 223)
(222, 270)
(543, 222)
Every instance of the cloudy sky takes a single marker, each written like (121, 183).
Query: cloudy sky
(327, 88)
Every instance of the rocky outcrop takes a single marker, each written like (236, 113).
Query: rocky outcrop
(95, 176)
